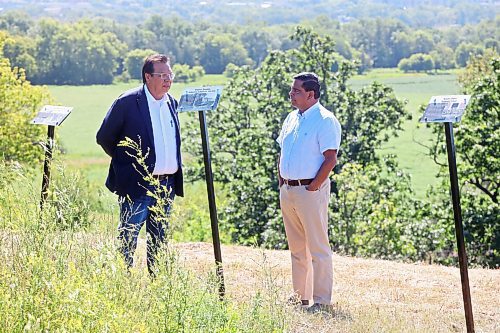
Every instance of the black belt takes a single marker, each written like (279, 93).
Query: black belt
(297, 182)
(162, 177)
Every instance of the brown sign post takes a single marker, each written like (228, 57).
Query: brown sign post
(51, 116)
(206, 99)
(447, 110)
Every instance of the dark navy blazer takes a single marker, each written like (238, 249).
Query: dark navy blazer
(129, 117)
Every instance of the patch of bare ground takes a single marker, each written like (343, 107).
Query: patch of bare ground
(369, 295)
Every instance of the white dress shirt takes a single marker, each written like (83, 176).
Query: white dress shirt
(304, 138)
(163, 135)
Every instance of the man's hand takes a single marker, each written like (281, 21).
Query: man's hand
(311, 189)
(324, 170)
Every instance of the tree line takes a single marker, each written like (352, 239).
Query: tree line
(99, 50)
(414, 13)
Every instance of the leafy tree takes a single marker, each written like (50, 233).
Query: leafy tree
(19, 50)
(219, 50)
(417, 62)
(185, 74)
(422, 42)
(443, 57)
(477, 139)
(76, 54)
(376, 214)
(16, 22)
(257, 42)
(19, 103)
(254, 105)
(375, 38)
(230, 70)
(135, 60)
(464, 51)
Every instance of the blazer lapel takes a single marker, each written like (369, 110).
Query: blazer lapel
(142, 101)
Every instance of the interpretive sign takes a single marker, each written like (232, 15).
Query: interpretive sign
(52, 115)
(445, 109)
(203, 99)
(200, 99)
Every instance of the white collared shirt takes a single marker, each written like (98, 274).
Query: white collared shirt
(163, 134)
(303, 140)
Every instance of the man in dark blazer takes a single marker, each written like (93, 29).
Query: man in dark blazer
(147, 115)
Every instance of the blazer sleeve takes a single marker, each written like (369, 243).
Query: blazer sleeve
(108, 134)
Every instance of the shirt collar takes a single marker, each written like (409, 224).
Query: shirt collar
(153, 100)
(309, 112)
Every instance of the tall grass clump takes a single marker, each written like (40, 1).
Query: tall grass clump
(60, 271)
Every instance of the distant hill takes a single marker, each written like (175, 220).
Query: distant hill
(423, 13)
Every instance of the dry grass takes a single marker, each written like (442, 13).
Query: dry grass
(369, 295)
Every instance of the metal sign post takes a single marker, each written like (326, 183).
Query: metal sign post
(201, 100)
(52, 116)
(449, 109)
(46, 165)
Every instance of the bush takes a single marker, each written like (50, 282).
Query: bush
(374, 213)
(185, 74)
(418, 62)
(19, 103)
(134, 62)
(230, 70)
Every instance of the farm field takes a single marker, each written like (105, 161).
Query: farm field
(91, 103)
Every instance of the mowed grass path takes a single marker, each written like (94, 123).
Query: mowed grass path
(92, 102)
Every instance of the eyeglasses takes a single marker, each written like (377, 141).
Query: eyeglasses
(165, 76)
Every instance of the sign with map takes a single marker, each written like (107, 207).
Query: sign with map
(445, 109)
(52, 115)
(200, 99)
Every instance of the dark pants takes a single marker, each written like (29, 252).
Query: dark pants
(133, 214)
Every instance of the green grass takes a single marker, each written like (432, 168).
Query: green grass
(409, 147)
(92, 102)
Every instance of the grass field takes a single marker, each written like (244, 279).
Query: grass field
(416, 89)
(92, 102)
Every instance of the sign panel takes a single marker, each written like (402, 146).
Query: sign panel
(52, 115)
(200, 99)
(445, 109)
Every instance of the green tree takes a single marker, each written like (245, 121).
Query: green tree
(76, 54)
(134, 62)
(376, 214)
(257, 42)
(19, 103)
(255, 103)
(443, 57)
(464, 51)
(219, 50)
(477, 142)
(20, 50)
(16, 22)
(185, 74)
(417, 62)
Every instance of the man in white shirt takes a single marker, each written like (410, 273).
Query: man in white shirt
(309, 141)
(149, 114)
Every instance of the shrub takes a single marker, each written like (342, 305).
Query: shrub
(19, 103)
(185, 74)
(134, 62)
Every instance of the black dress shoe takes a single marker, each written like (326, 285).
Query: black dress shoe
(320, 308)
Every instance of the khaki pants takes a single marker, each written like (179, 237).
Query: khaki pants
(305, 215)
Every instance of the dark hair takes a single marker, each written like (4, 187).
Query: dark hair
(149, 62)
(310, 82)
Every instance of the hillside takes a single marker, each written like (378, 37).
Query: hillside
(370, 295)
